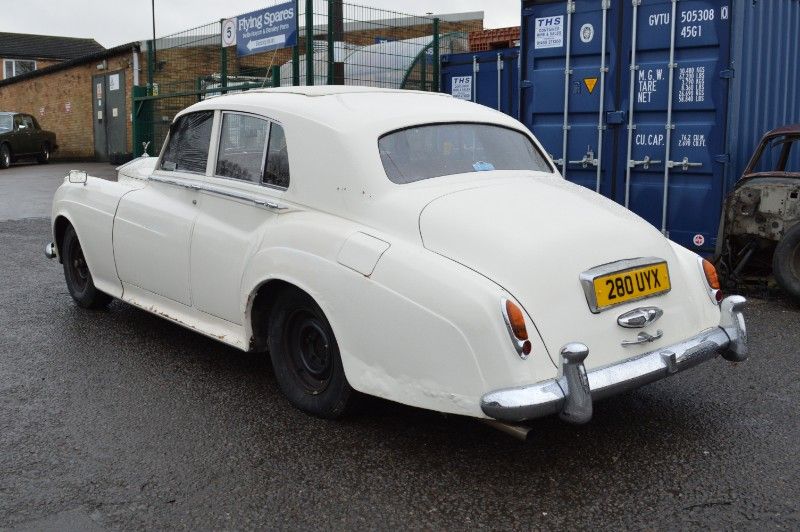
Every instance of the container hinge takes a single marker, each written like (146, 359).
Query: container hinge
(606, 4)
(723, 158)
(683, 164)
(636, 3)
(646, 162)
(570, 6)
(526, 84)
(727, 74)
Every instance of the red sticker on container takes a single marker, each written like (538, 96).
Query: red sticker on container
(699, 240)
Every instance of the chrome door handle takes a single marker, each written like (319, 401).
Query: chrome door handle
(643, 338)
(270, 205)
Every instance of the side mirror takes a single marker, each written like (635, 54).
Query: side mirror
(77, 176)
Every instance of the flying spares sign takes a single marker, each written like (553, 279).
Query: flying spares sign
(263, 30)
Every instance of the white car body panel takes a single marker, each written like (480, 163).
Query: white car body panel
(409, 276)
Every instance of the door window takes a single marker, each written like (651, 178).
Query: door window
(277, 171)
(28, 121)
(187, 147)
(243, 139)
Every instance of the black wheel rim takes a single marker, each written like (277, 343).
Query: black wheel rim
(6, 158)
(79, 270)
(310, 351)
(45, 153)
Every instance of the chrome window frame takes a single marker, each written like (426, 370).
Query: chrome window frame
(588, 277)
(218, 145)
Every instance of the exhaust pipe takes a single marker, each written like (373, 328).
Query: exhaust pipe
(519, 432)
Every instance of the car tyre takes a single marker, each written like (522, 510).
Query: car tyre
(786, 262)
(44, 154)
(5, 156)
(305, 356)
(76, 272)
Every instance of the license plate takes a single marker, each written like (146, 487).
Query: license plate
(630, 285)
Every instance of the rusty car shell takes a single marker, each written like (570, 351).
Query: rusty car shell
(763, 206)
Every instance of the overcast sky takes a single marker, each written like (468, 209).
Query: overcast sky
(114, 22)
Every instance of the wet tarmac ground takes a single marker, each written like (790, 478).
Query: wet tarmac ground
(118, 419)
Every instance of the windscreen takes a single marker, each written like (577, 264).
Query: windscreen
(434, 150)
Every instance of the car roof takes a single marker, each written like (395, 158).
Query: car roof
(349, 108)
(790, 129)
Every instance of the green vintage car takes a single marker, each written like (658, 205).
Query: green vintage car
(21, 138)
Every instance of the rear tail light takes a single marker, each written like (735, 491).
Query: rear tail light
(712, 281)
(515, 322)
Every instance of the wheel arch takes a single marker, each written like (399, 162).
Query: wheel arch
(260, 304)
(60, 225)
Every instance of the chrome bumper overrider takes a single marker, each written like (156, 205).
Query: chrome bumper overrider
(572, 394)
(50, 251)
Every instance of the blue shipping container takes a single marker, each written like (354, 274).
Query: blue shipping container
(687, 89)
(490, 78)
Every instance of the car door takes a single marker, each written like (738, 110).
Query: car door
(153, 225)
(20, 144)
(238, 205)
(31, 138)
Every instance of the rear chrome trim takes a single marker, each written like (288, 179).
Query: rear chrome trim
(621, 266)
(554, 395)
(50, 250)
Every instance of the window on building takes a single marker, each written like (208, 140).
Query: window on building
(277, 171)
(189, 138)
(242, 142)
(15, 67)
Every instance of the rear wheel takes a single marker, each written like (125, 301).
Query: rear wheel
(305, 356)
(786, 262)
(76, 272)
(44, 154)
(5, 156)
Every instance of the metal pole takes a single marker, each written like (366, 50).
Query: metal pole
(668, 125)
(295, 65)
(276, 76)
(153, 14)
(309, 42)
(331, 51)
(633, 68)
(600, 126)
(567, 74)
(151, 61)
(223, 69)
(436, 56)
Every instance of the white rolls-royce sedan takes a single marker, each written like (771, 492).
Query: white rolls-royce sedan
(401, 244)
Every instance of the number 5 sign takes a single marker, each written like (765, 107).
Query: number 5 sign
(229, 32)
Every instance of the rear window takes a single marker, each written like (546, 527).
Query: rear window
(434, 150)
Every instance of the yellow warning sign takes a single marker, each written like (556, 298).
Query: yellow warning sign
(590, 83)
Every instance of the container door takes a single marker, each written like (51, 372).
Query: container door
(489, 78)
(116, 121)
(676, 98)
(570, 61)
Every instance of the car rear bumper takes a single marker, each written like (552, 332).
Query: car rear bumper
(572, 394)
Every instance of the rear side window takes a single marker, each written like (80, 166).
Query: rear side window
(242, 145)
(434, 150)
(277, 171)
(189, 138)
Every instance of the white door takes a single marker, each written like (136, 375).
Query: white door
(153, 225)
(239, 203)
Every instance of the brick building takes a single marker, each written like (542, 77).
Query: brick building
(21, 53)
(85, 101)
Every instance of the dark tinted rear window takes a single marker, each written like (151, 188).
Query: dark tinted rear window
(434, 150)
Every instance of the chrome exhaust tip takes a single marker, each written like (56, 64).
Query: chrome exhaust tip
(50, 251)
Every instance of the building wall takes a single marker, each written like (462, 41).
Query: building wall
(61, 101)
